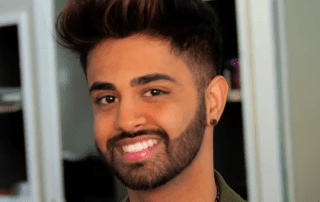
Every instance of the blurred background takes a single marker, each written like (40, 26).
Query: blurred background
(47, 149)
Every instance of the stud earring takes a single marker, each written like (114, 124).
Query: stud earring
(213, 122)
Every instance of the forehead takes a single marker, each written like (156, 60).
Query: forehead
(120, 60)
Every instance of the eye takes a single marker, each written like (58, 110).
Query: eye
(154, 92)
(107, 100)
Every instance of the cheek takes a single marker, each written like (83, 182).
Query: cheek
(102, 130)
(174, 120)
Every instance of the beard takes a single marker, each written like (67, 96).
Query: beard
(172, 157)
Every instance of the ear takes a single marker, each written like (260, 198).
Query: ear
(216, 98)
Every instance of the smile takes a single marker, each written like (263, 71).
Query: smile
(139, 146)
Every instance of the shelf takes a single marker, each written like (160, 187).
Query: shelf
(10, 100)
(71, 156)
(234, 96)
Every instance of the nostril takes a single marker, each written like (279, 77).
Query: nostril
(137, 128)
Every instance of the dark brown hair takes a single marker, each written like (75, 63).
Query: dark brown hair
(191, 27)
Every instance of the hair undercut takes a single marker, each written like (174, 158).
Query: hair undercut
(190, 26)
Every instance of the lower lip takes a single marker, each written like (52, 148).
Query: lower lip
(141, 155)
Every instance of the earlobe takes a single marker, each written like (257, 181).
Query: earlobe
(216, 98)
(213, 122)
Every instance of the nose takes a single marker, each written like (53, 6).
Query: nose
(130, 117)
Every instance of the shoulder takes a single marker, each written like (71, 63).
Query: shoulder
(126, 199)
(226, 193)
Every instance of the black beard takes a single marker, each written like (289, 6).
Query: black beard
(175, 156)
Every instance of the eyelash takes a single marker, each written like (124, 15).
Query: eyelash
(100, 99)
(159, 93)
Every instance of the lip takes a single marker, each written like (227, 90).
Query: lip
(142, 155)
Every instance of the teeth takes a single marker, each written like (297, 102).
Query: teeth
(145, 145)
(131, 148)
(139, 146)
(150, 143)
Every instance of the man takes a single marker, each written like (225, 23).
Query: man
(152, 67)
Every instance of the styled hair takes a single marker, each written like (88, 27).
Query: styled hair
(191, 27)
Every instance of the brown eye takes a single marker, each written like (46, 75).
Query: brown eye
(153, 92)
(107, 100)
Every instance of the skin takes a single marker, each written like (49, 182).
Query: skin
(180, 112)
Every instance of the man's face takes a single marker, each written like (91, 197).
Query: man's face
(149, 120)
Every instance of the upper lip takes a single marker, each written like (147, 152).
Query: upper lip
(141, 138)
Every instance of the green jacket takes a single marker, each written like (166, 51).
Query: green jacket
(226, 193)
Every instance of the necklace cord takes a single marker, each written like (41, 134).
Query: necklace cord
(218, 191)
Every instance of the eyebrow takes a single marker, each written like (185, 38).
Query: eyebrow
(101, 86)
(151, 78)
(143, 80)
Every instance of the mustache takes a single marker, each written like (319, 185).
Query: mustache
(114, 140)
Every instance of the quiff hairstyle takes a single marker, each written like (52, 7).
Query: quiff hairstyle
(190, 26)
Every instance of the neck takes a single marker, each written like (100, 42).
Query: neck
(195, 183)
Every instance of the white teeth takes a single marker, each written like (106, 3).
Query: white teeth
(150, 143)
(145, 145)
(139, 146)
(131, 148)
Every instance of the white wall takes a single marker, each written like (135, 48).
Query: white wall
(303, 49)
(43, 131)
(37, 180)
(76, 112)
